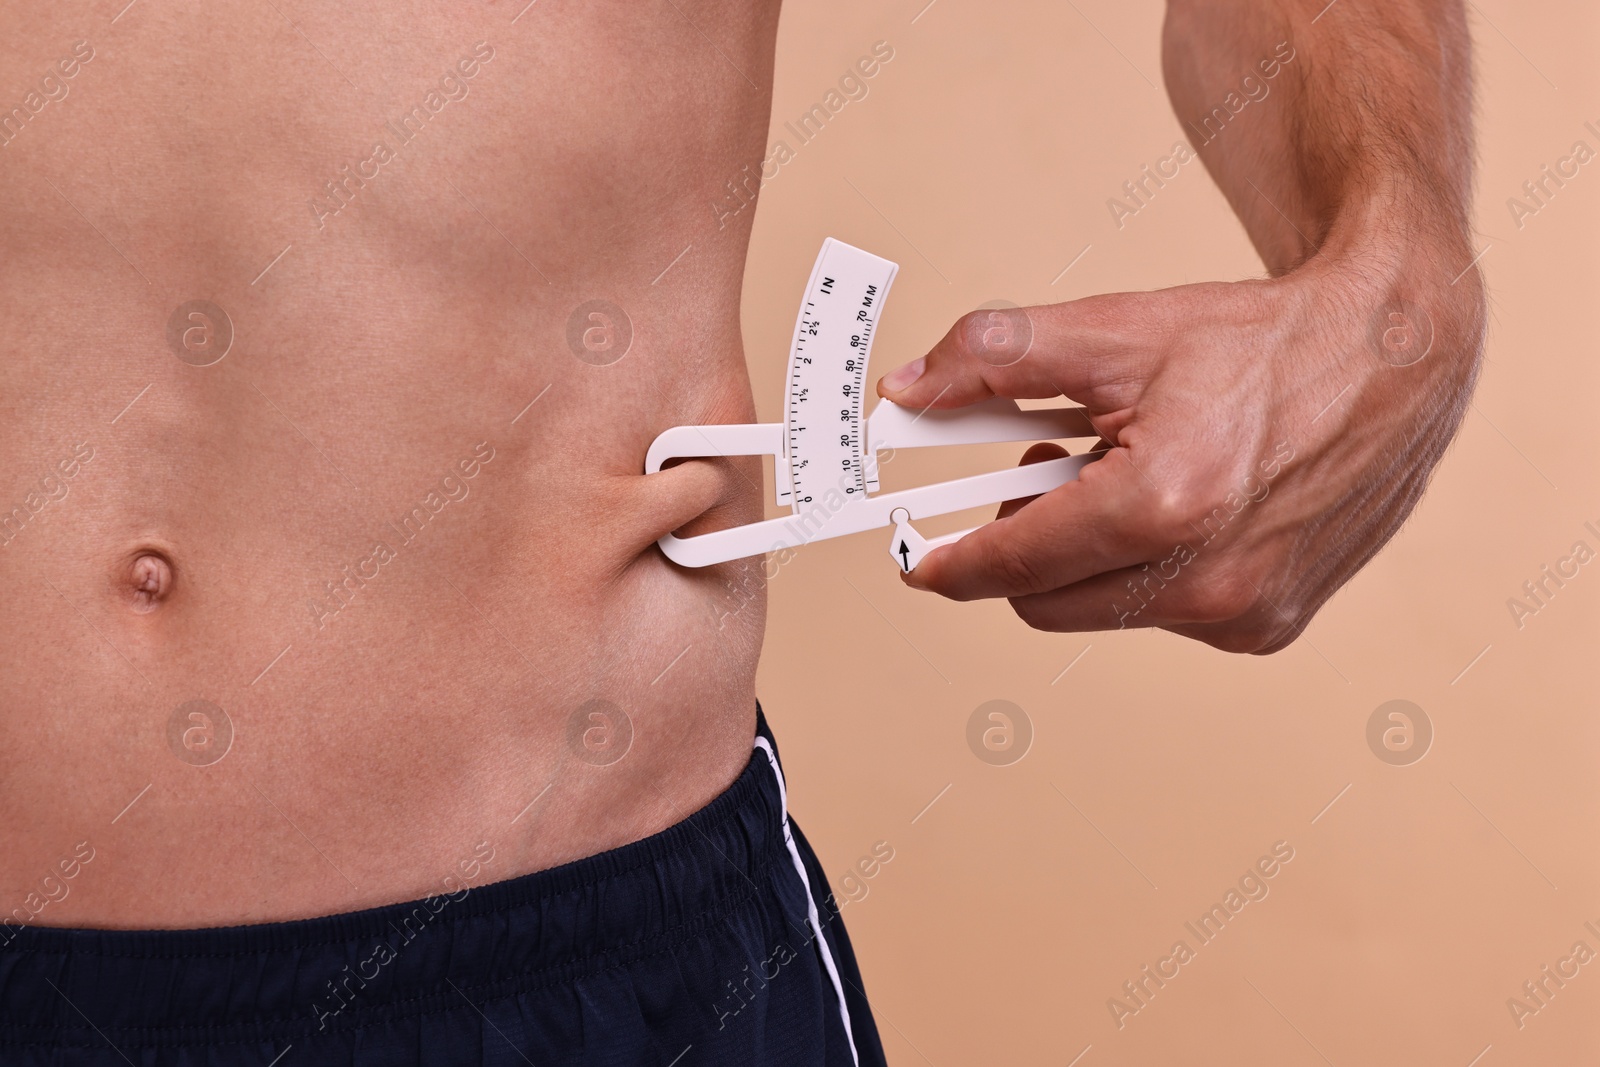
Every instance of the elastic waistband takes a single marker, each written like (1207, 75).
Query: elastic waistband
(274, 980)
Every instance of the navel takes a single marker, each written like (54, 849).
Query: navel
(150, 580)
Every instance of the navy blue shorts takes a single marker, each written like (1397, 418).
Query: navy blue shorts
(698, 945)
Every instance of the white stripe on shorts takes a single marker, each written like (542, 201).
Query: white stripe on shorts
(811, 904)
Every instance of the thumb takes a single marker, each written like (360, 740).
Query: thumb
(1035, 352)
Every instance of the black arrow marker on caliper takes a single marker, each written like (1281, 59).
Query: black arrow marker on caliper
(905, 557)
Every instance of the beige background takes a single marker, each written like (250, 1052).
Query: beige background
(1017, 904)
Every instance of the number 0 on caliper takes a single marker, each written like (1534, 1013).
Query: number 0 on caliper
(825, 451)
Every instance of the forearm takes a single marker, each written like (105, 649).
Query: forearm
(1362, 134)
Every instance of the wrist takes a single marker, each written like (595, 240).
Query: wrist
(1405, 259)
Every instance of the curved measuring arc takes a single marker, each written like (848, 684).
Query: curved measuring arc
(824, 438)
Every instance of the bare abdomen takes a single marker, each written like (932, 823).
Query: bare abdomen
(325, 546)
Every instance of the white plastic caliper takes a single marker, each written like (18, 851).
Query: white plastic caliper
(826, 453)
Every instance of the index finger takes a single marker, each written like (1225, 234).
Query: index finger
(1071, 349)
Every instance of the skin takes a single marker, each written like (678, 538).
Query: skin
(429, 712)
(1355, 191)
(442, 701)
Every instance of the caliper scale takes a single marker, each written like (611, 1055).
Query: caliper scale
(823, 429)
(825, 451)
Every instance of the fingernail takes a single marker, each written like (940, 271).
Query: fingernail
(901, 377)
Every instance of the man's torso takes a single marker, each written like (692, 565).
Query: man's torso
(395, 539)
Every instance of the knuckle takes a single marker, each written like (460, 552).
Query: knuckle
(997, 336)
(1177, 514)
(1265, 640)
(1260, 632)
(1224, 596)
(966, 336)
(1280, 626)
